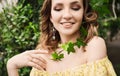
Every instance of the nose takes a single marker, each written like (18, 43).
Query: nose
(67, 14)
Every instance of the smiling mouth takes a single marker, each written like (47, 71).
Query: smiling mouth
(67, 24)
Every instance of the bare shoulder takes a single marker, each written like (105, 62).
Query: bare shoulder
(96, 49)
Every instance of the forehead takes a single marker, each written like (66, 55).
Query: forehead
(66, 1)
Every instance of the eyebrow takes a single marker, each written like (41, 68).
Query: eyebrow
(75, 2)
(60, 4)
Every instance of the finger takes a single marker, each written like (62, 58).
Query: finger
(37, 51)
(36, 61)
(40, 51)
(38, 56)
(32, 64)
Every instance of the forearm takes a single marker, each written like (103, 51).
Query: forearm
(13, 72)
(11, 69)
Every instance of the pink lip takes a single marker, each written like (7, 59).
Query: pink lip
(67, 24)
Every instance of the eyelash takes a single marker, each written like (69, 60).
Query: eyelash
(57, 9)
(74, 8)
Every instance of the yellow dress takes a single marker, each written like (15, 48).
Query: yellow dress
(101, 67)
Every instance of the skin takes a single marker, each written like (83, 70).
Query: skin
(66, 16)
(32, 58)
(95, 50)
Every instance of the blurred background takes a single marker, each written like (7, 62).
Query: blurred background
(19, 29)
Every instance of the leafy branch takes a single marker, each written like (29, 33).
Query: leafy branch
(69, 48)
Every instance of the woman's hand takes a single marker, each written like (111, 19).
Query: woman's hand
(33, 58)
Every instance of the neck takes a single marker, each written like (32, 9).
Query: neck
(67, 38)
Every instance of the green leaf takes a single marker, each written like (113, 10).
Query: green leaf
(80, 43)
(56, 56)
(84, 32)
(101, 6)
(69, 47)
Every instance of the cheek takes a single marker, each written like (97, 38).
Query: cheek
(55, 17)
(80, 12)
(79, 17)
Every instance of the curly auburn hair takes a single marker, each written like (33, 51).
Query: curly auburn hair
(45, 41)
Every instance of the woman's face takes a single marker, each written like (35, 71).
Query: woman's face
(67, 15)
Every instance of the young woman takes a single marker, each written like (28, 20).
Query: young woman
(61, 22)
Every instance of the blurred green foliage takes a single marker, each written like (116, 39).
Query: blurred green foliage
(101, 6)
(106, 19)
(19, 31)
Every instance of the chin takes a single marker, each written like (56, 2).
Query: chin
(67, 33)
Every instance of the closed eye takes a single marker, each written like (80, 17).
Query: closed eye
(56, 9)
(76, 8)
